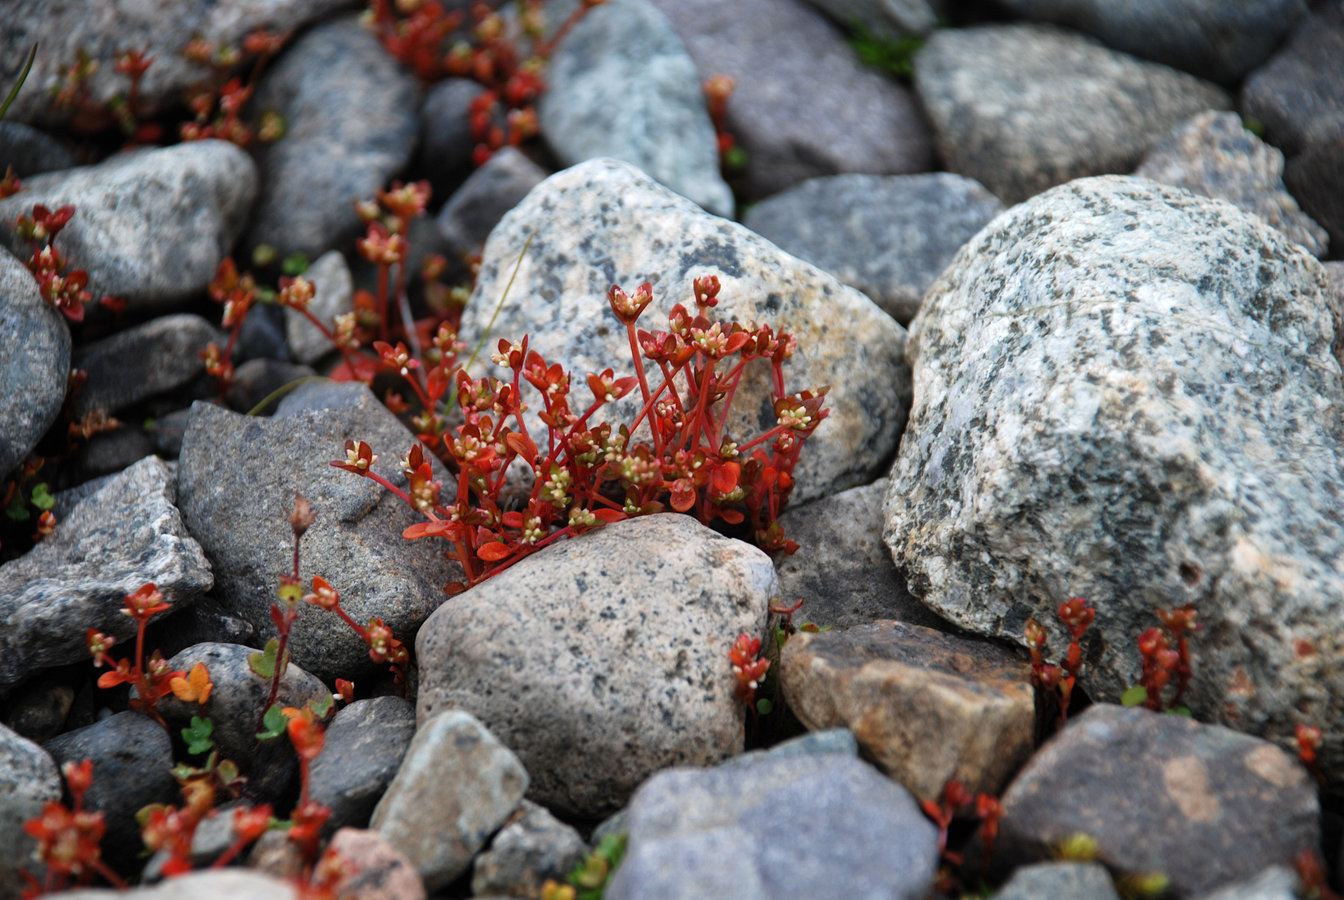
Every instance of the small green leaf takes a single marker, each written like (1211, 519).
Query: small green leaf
(17, 511)
(321, 706)
(274, 722)
(41, 497)
(263, 664)
(735, 160)
(1181, 711)
(764, 707)
(1135, 696)
(197, 735)
(294, 264)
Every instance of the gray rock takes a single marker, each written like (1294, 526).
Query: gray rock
(1316, 178)
(1213, 155)
(351, 121)
(1299, 95)
(1207, 789)
(604, 222)
(38, 710)
(886, 19)
(1274, 883)
(30, 151)
(1208, 38)
(125, 535)
(804, 105)
(150, 225)
(445, 135)
(132, 762)
(533, 848)
(61, 28)
(889, 236)
(332, 296)
(1059, 881)
(456, 786)
(211, 884)
(1021, 108)
(256, 383)
(1128, 393)
(813, 743)
(29, 780)
(33, 365)
(476, 207)
(602, 659)
(622, 85)
(364, 748)
(111, 451)
(142, 361)
(848, 832)
(238, 476)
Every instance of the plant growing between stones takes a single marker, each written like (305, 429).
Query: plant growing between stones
(1059, 680)
(1166, 656)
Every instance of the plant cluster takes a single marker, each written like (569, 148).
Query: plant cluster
(1166, 656)
(1059, 680)
(956, 802)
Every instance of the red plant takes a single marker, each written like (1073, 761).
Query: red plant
(1166, 656)
(749, 667)
(154, 680)
(1060, 679)
(67, 291)
(68, 838)
(217, 104)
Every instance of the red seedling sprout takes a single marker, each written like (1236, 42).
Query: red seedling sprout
(67, 291)
(1060, 679)
(151, 681)
(1166, 656)
(68, 838)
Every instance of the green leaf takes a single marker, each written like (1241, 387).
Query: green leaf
(294, 264)
(17, 511)
(1135, 696)
(1181, 711)
(764, 707)
(197, 735)
(274, 722)
(263, 663)
(41, 497)
(321, 706)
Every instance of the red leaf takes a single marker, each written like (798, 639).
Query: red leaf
(731, 516)
(494, 552)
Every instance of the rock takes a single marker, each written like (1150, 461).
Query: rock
(445, 132)
(257, 382)
(132, 767)
(61, 28)
(1274, 883)
(531, 849)
(29, 780)
(38, 711)
(803, 104)
(381, 871)
(1316, 177)
(1121, 384)
(364, 748)
(841, 570)
(456, 785)
(491, 191)
(1205, 789)
(1219, 41)
(889, 236)
(604, 222)
(125, 535)
(925, 706)
(886, 19)
(603, 658)
(333, 295)
(351, 121)
(811, 743)
(143, 361)
(109, 452)
(1077, 108)
(29, 151)
(34, 366)
(1213, 155)
(211, 884)
(622, 85)
(1298, 95)
(719, 833)
(1060, 881)
(150, 225)
(238, 479)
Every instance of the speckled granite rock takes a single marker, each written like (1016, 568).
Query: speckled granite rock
(1128, 393)
(1299, 94)
(144, 360)
(33, 367)
(1059, 881)
(334, 290)
(889, 19)
(29, 780)
(532, 848)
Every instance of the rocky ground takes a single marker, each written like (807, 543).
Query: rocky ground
(1069, 279)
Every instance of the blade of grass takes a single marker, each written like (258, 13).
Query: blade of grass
(23, 76)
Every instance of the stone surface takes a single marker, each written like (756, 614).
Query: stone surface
(364, 748)
(238, 476)
(925, 706)
(889, 236)
(381, 871)
(1212, 789)
(351, 122)
(256, 386)
(886, 19)
(533, 848)
(1299, 94)
(29, 780)
(603, 223)
(1209, 38)
(1129, 394)
(29, 151)
(803, 104)
(334, 291)
(33, 364)
(1021, 108)
(1059, 881)
(1316, 178)
(150, 225)
(601, 659)
(211, 884)
(142, 361)
(456, 785)
(126, 534)
(1274, 883)
(622, 85)
(720, 833)
(491, 191)
(445, 132)
(1213, 155)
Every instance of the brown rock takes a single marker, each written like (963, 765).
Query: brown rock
(380, 871)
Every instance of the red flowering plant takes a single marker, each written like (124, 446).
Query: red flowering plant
(1166, 657)
(152, 680)
(65, 290)
(1060, 679)
(69, 838)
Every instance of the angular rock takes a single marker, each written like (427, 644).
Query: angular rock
(363, 750)
(150, 225)
(1059, 881)
(380, 870)
(602, 659)
(110, 452)
(1128, 393)
(1213, 155)
(238, 477)
(445, 132)
(1208, 38)
(29, 780)
(1077, 108)
(1298, 94)
(719, 833)
(33, 367)
(886, 19)
(142, 361)
(889, 236)
(803, 104)
(604, 222)
(533, 848)
(257, 382)
(476, 207)
(1205, 789)
(1274, 883)
(456, 786)
(1316, 178)
(29, 151)
(333, 294)
(351, 125)
(925, 706)
(621, 85)
(123, 536)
